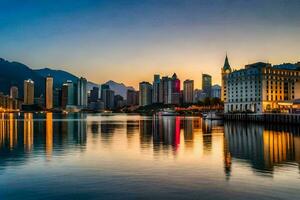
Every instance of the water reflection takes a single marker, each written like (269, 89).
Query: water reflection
(189, 139)
(264, 146)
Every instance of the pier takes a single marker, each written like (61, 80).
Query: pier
(285, 118)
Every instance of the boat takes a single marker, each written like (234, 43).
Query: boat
(167, 112)
(212, 116)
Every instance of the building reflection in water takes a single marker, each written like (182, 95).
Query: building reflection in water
(49, 134)
(28, 131)
(263, 146)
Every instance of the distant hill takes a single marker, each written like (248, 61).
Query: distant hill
(59, 76)
(14, 73)
(119, 88)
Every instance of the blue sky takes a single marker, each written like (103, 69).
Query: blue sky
(130, 40)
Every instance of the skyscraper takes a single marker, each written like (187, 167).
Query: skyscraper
(68, 94)
(108, 98)
(49, 92)
(145, 97)
(82, 92)
(206, 84)
(175, 90)
(216, 91)
(14, 92)
(225, 71)
(188, 91)
(132, 98)
(156, 90)
(94, 94)
(28, 92)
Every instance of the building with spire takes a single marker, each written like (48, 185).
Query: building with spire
(226, 70)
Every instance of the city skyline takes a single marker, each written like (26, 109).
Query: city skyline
(116, 38)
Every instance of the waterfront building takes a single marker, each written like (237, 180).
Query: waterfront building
(156, 89)
(261, 87)
(199, 95)
(57, 97)
(68, 94)
(188, 91)
(175, 90)
(82, 92)
(226, 69)
(14, 92)
(216, 91)
(206, 84)
(94, 94)
(119, 101)
(108, 96)
(49, 92)
(104, 87)
(132, 98)
(28, 92)
(145, 96)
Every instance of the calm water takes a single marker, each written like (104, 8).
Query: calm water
(132, 157)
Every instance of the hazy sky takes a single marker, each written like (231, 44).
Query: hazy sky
(130, 40)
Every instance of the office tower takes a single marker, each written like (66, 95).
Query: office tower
(28, 92)
(175, 90)
(164, 89)
(156, 89)
(104, 87)
(14, 92)
(132, 98)
(108, 96)
(226, 69)
(216, 91)
(82, 92)
(119, 101)
(145, 97)
(206, 84)
(57, 97)
(68, 94)
(261, 87)
(94, 94)
(49, 92)
(188, 91)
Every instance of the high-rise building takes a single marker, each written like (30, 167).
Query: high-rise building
(68, 94)
(132, 98)
(155, 91)
(226, 69)
(94, 94)
(261, 87)
(28, 92)
(188, 91)
(206, 84)
(49, 92)
(216, 91)
(175, 90)
(14, 92)
(82, 92)
(145, 96)
(108, 96)
(164, 89)
(57, 97)
(104, 87)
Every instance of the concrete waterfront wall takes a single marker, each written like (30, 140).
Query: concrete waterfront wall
(265, 118)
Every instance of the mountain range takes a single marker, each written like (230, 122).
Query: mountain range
(14, 74)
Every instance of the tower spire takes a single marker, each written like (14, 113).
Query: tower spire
(226, 64)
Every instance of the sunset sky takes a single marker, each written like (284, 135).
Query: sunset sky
(130, 40)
